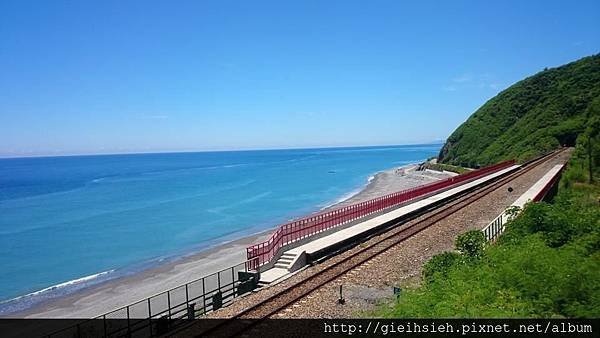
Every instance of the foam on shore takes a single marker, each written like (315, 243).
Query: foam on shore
(22, 302)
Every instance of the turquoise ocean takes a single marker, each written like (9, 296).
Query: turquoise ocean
(74, 221)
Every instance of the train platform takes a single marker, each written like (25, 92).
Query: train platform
(537, 192)
(297, 257)
(533, 194)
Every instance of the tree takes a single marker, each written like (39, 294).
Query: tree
(591, 134)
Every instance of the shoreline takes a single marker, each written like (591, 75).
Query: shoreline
(121, 291)
(112, 294)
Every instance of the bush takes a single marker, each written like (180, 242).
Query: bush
(439, 264)
(573, 174)
(471, 243)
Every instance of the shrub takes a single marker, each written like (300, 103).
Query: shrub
(439, 264)
(471, 243)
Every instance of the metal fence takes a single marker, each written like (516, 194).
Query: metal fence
(186, 301)
(495, 228)
(314, 224)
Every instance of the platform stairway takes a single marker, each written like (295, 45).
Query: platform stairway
(281, 267)
(286, 260)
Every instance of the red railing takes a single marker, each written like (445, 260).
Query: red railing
(316, 223)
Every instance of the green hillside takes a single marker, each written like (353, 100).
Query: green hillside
(537, 114)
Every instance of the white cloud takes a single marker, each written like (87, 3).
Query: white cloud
(154, 117)
(462, 79)
(467, 80)
(308, 113)
(449, 88)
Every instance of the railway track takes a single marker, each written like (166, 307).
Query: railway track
(285, 298)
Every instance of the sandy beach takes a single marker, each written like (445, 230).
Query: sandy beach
(110, 295)
(393, 180)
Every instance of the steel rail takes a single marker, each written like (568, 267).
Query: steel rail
(283, 299)
(394, 238)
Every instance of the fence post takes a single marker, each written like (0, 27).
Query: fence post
(128, 323)
(104, 324)
(187, 296)
(203, 297)
(169, 302)
(233, 282)
(219, 280)
(150, 317)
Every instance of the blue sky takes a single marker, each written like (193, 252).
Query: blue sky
(135, 76)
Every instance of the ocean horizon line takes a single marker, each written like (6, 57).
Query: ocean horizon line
(166, 152)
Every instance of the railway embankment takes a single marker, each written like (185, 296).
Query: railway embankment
(401, 265)
(544, 265)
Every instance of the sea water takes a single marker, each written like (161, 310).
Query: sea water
(68, 222)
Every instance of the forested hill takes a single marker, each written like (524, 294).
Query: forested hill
(539, 113)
